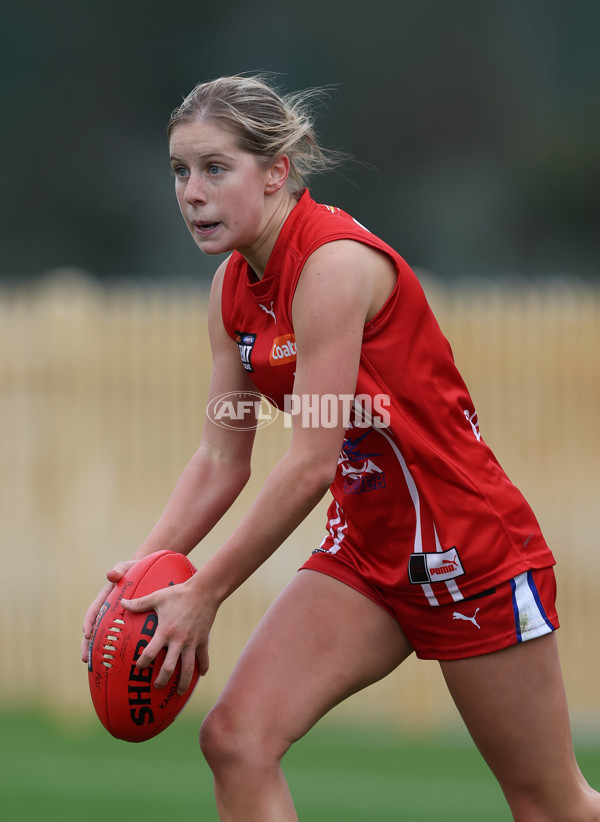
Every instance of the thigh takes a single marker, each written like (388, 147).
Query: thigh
(319, 642)
(513, 703)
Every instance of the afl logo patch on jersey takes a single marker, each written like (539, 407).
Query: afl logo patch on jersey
(245, 343)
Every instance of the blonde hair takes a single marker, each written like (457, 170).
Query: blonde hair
(266, 123)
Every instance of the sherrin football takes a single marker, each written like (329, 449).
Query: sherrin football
(125, 699)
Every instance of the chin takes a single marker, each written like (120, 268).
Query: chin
(213, 250)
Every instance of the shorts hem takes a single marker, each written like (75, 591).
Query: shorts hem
(425, 646)
(481, 649)
(348, 577)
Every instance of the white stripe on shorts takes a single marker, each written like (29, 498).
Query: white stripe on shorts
(530, 618)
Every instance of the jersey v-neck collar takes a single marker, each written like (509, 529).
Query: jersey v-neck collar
(263, 287)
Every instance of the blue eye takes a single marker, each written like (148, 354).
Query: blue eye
(213, 169)
(180, 171)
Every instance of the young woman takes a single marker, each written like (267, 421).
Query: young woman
(429, 547)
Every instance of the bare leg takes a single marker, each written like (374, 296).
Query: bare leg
(319, 642)
(513, 703)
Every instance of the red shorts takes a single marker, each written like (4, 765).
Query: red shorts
(513, 611)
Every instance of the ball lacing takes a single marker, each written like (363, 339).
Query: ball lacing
(111, 649)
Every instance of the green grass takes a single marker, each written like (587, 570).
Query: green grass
(56, 771)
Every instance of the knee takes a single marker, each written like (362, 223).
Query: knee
(232, 738)
(543, 799)
(220, 736)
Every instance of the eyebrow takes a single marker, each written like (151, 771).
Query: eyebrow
(175, 158)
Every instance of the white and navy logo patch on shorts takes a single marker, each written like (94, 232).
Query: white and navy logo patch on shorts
(530, 617)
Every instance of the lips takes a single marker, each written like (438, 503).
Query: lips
(204, 226)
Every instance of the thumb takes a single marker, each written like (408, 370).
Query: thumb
(120, 569)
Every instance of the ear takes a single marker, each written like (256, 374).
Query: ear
(277, 174)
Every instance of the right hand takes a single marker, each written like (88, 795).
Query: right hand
(185, 616)
(113, 576)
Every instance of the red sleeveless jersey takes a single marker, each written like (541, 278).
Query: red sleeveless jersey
(420, 504)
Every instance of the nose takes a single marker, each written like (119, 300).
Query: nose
(194, 190)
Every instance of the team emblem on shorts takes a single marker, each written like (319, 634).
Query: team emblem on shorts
(434, 567)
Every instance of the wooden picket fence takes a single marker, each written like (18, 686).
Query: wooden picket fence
(102, 399)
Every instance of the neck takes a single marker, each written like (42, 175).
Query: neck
(257, 257)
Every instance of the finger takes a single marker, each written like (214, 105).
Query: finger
(92, 611)
(188, 665)
(150, 652)
(202, 657)
(113, 576)
(85, 646)
(168, 667)
(136, 606)
(119, 570)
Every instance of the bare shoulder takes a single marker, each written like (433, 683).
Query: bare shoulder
(219, 276)
(348, 270)
(343, 253)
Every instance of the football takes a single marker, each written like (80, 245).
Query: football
(125, 699)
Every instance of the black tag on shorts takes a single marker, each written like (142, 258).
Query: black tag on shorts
(437, 566)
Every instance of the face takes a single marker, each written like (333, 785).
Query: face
(221, 189)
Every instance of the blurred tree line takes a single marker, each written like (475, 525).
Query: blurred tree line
(474, 124)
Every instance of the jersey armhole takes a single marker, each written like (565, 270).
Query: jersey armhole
(375, 323)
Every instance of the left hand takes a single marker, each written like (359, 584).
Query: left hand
(113, 576)
(184, 623)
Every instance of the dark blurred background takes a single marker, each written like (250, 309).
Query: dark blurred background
(475, 126)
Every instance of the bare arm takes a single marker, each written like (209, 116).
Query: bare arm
(330, 307)
(338, 291)
(212, 479)
(220, 468)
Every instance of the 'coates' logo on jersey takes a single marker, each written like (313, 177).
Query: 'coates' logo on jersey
(283, 350)
(245, 343)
